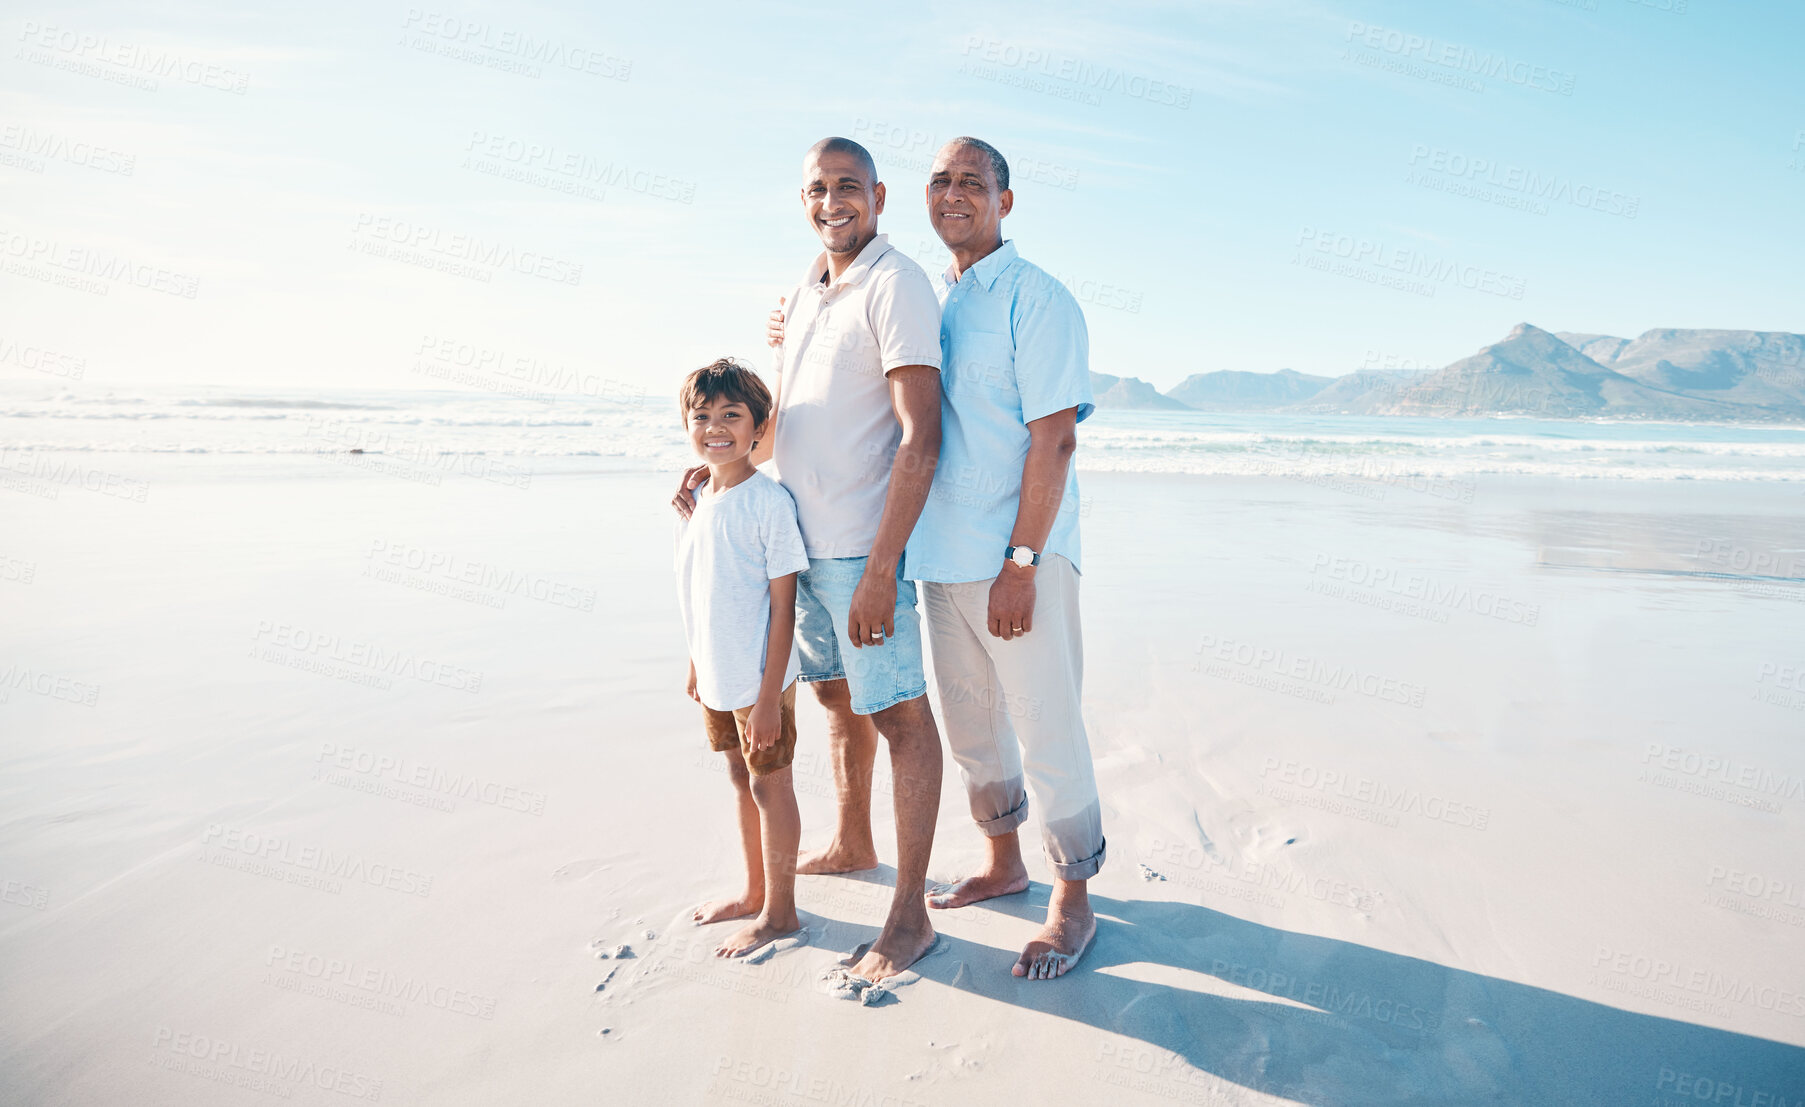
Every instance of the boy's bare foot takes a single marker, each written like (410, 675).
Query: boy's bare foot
(988, 884)
(895, 950)
(1059, 944)
(836, 858)
(717, 910)
(761, 932)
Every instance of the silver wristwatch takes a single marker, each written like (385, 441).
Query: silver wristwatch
(1022, 556)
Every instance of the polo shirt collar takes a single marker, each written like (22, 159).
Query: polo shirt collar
(990, 268)
(856, 272)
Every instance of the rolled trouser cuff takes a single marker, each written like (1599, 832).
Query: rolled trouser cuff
(1080, 870)
(1007, 821)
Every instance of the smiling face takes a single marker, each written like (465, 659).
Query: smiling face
(721, 431)
(965, 205)
(842, 200)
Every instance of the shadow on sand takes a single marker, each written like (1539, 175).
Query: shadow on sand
(1324, 1021)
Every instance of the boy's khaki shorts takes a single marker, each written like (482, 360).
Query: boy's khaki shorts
(727, 731)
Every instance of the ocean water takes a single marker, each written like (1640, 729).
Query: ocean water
(637, 431)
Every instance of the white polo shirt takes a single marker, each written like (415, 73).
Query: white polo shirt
(837, 432)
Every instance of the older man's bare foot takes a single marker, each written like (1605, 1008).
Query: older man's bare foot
(895, 950)
(988, 884)
(719, 910)
(836, 858)
(1059, 944)
(762, 931)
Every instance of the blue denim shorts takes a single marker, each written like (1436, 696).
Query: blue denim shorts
(876, 676)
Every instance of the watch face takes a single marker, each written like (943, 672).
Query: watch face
(1024, 556)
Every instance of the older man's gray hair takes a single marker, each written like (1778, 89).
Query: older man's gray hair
(997, 162)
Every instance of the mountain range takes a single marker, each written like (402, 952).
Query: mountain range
(1666, 374)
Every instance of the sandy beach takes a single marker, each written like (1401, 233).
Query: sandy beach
(323, 780)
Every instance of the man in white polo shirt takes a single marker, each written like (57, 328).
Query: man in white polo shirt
(856, 436)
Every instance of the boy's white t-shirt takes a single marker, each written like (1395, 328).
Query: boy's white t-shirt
(727, 552)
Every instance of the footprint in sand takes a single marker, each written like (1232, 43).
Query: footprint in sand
(579, 870)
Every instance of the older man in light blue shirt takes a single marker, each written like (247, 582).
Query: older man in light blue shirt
(1002, 312)
(996, 550)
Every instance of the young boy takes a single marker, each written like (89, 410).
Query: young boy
(737, 557)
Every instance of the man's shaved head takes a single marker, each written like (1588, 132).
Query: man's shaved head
(997, 164)
(841, 197)
(837, 145)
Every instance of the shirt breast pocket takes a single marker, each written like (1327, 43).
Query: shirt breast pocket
(982, 361)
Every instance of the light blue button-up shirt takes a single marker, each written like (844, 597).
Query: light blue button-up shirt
(1013, 349)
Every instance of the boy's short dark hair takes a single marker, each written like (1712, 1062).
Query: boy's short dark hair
(730, 380)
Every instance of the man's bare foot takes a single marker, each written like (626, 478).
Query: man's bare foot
(988, 884)
(836, 858)
(761, 932)
(894, 951)
(1059, 944)
(718, 910)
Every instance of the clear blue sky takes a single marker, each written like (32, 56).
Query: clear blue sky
(1177, 163)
